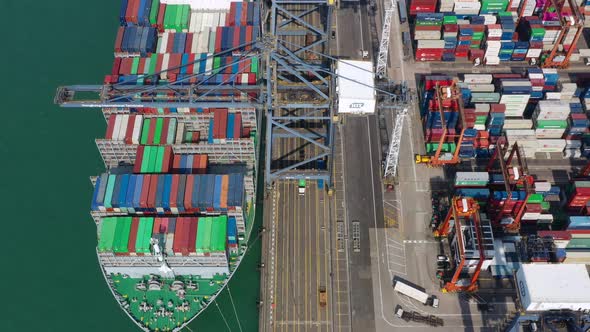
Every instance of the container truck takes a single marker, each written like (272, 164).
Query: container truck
(301, 187)
(403, 11)
(323, 296)
(415, 293)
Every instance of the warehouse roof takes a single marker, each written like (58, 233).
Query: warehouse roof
(350, 72)
(548, 283)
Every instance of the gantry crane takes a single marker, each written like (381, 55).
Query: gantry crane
(573, 23)
(521, 179)
(447, 98)
(464, 212)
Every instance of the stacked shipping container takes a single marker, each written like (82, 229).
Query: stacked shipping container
(487, 31)
(535, 110)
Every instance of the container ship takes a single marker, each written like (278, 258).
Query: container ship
(174, 209)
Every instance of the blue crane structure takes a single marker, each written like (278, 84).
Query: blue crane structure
(295, 95)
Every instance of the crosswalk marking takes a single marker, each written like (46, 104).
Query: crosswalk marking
(419, 241)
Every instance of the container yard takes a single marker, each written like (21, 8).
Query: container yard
(174, 209)
(494, 32)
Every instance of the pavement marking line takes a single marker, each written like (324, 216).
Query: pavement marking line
(288, 238)
(375, 220)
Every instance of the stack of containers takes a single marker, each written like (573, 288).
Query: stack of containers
(578, 248)
(158, 131)
(164, 194)
(515, 95)
(190, 164)
(467, 7)
(124, 128)
(433, 123)
(493, 6)
(578, 194)
(537, 78)
(422, 6)
(153, 159)
(428, 26)
(550, 119)
(472, 184)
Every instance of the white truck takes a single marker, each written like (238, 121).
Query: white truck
(415, 293)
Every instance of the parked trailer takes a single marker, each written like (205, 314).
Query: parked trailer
(415, 293)
(416, 317)
(403, 11)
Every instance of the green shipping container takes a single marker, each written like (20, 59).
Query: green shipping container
(154, 12)
(145, 131)
(579, 243)
(450, 19)
(185, 17)
(254, 66)
(145, 161)
(203, 235)
(153, 158)
(219, 234)
(535, 199)
(134, 66)
(144, 245)
(122, 234)
(153, 63)
(107, 234)
(158, 131)
(159, 159)
(551, 124)
(108, 196)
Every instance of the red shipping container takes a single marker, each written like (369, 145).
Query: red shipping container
(218, 37)
(170, 43)
(152, 131)
(159, 63)
(238, 126)
(533, 208)
(203, 165)
(497, 108)
(141, 66)
(129, 129)
(196, 136)
(174, 190)
(111, 126)
(134, 11)
(188, 193)
(129, 10)
(156, 225)
(164, 133)
(252, 81)
(167, 158)
(191, 66)
(556, 235)
(138, 159)
(161, 13)
(249, 36)
(192, 238)
(133, 235)
(244, 18)
(231, 21)
(428, 28)
(178, 236)
(189, 43)
(119, 39)
(111, 79)
(145, 190)
(151, 203)
(176, 163)
(116, 66)
(126, 64)
(175, 62)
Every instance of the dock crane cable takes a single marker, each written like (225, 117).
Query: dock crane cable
(222, 315)
(234, 307)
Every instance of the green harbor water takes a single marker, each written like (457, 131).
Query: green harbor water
(50, 276)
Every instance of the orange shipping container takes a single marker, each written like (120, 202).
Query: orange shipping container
(224, 191)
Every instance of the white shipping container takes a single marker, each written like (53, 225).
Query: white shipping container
(431, 44)
(117, 127)
(123, 127)
(542, 186)
(492, 60)
(432, 35)
(482, 88)
(203, 42)
(518, 124)
(552, 95)
(201, 4)
(164, 43)
(179, 133)
(534, 53)
(165, 62)
(549, 133)
(472, 177)
(137, 129)
(478, 78)
(356, 96)
(545, 287)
